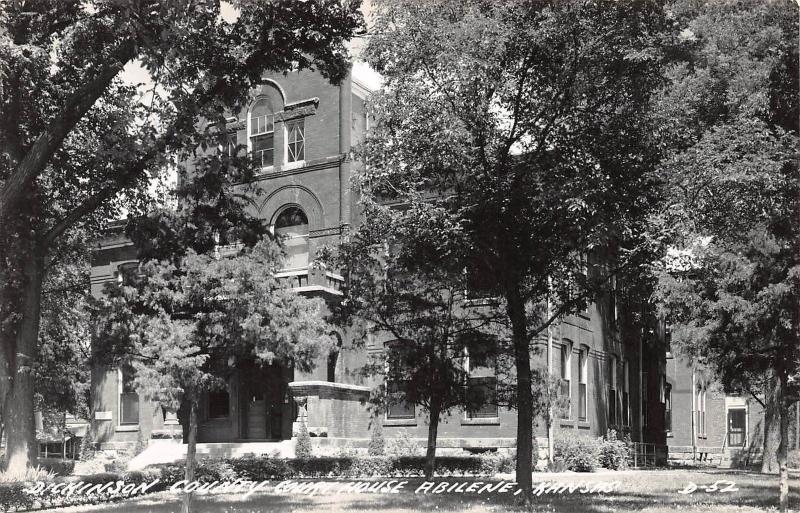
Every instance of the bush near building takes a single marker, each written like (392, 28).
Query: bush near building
(581, 453)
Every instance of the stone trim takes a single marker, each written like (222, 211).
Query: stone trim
(327, 389)
(311, 165)
(325, 232)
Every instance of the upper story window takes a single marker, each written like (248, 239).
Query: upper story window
(262, 133)
(295, 140)
(292, 225)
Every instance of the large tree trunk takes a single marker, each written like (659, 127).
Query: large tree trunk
(21, 448)
(772, 428)
(191, 449)
(433, 428)
(516, 314)
(783, 446)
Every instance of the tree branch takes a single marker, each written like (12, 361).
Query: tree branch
(81, 100)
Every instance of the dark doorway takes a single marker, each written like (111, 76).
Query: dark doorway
(737, 427)
(263, 394)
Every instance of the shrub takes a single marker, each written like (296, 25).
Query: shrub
(492, 463)
(260, 469)
(579, 453)
(87, 445)
(377, 444)
(794, 459)
(403, 445)
(140, 446)
(58, 467)
(302, 448)
(29, 474)
(614, 453)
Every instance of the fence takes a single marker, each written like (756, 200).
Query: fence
(647, 455)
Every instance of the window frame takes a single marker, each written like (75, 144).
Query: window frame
(613, 410)
(583, 381)
(227, 415)
(388, 415)
(626, 402)
(255, 133)
(288, 130)
(468, 415)
(566, 377)
(121, 403)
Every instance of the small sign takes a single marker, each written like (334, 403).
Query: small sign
(102, 415)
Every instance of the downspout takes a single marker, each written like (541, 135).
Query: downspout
(549, 374)
(694, 427)
(345, 133)
(641, 385)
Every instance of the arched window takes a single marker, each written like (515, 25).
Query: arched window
(292, 227)
(262, 133)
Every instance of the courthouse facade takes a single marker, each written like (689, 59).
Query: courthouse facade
(302, 131)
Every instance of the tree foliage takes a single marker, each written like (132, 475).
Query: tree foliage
(525, 126)
(76, 141)
(730, 284)
(421, 313)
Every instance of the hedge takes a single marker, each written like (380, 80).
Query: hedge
(14, 498)
(258, 468)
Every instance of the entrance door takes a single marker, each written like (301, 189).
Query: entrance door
(256, 423)
(737, 427)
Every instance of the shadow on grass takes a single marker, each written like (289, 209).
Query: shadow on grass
(655, 492)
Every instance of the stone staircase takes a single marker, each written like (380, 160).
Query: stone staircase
(171, 451)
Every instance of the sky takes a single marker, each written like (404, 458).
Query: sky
(134, 73)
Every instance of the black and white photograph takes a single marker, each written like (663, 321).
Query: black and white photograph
(270, 256)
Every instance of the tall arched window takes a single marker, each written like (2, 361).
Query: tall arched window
(262, 133)
(292, 226)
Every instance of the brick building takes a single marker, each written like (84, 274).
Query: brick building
(302, 129)
(704, 423)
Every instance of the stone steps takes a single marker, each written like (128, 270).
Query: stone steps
(171, 451)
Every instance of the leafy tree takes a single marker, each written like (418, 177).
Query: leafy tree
(74, 138)
(377, 443)
(303, 446)
(526, 126)
(731, 289)
(186, 328)
(421, 309)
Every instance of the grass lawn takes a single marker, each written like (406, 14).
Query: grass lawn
(651, 491)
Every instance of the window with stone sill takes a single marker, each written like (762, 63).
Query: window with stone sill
(128, 397)
(396, 385)
(565, 373)
(583, 383)
(262, 134)
(481, 386)
(295, 140)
